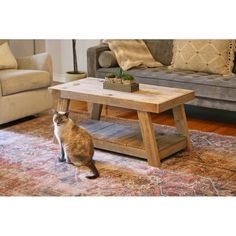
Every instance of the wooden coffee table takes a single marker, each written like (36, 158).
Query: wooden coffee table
(136, 140)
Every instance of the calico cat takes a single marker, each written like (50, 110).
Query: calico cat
(75, 142)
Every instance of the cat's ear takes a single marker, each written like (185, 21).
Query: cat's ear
(67, 114)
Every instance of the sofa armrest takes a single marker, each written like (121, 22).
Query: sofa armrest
(92, 58)
(42, 61)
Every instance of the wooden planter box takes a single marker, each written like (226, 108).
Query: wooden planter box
(121, 87)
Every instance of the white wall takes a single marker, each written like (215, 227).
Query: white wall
(21, 48)
(61, 51)
(83, 45)
(54, 48)
(25, 47)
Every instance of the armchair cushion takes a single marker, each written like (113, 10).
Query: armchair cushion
(7, 60)
(41, 61)
(15, 81)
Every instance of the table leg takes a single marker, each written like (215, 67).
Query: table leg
(63, 104)
(96, 111)
(149, 139)
(181, 123)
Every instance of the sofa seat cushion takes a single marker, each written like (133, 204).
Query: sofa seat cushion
(15, 81)
(213, 86)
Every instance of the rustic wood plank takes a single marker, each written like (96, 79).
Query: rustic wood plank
(175, 102)
(114, 147)
(93, 125)
(129, 136)
(149, 98)
(149, 138)
(109, 133)
(96, 111)
(136, 141)
(163, 141)
(181, 124)
(137, 151)
(116, 132)
(126, 140)
(173, 148)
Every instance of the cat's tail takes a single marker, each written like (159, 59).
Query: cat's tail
(93, 168)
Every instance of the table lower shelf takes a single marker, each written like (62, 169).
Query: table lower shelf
(126, 138)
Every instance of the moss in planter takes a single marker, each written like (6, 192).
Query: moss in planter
(128, 77)
(110, 75)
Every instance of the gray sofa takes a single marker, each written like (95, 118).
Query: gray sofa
(212, 90)
(24, 91)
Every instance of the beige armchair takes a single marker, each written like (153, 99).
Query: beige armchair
(24, 91)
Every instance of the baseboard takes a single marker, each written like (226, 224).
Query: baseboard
(59, 78)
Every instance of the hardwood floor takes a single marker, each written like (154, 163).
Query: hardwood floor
(207, 120)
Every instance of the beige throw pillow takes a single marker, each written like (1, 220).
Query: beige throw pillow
(7, 60)
(132, 53)
(213, 56)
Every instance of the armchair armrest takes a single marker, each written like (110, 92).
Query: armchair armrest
(92, 58)
(42, 61)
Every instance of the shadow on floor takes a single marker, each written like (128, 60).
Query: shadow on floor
(209, 114)
(16, 122)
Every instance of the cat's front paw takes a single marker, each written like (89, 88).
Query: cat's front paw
(61, 159)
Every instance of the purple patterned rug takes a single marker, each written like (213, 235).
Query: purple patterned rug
(29, 167)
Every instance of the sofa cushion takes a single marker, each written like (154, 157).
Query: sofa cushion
(212, 86)
(213, 56)
(7, 60)
(132, 53)
(15, 81)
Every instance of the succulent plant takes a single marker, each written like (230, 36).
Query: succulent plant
(120, 73)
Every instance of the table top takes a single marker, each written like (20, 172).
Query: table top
(149, 98)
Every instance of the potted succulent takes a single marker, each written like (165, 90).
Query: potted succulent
(119, 74)
(75, 74)
(127, 79)
(120, 77)
(110, 77)
(120, 81)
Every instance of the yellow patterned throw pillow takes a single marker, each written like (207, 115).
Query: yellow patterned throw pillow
(7, 60)
(213, 56)
(132, 53)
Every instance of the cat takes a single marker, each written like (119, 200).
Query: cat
(76, 143)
